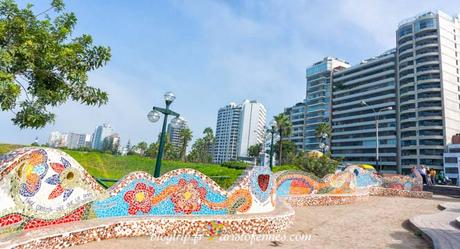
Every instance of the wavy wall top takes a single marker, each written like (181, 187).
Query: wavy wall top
(42, 186)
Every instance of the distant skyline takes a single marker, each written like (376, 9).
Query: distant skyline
(210, 53)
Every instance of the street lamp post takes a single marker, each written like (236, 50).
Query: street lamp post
(153, 116)
(377, 142)
(323, 146)
(272, 130)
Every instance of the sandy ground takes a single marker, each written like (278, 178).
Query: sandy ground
(380, 222)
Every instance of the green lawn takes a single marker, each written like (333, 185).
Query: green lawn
(109, 166)
(104, 165)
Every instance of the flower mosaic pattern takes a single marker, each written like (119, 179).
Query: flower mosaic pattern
(139, 199)
(31, 172)
(64, 180)
(188, 197)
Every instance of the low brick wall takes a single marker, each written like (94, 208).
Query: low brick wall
(379, 191)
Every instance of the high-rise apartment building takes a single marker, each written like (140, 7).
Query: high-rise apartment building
(225, 145)
(101, 132)
(75, 140)
(54, 139)
(318, 97)
(354, 121)
(296, 115)
(428, 87)
(251, 130)
(238, 128)
(174, 133)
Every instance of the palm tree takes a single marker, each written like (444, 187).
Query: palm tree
(323, 129)
(284, 126)
(185, 137)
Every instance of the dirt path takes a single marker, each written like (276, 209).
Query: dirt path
(376, 223)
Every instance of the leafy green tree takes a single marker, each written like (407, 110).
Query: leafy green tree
(141, 148)
(42, 65)
(319, 166)
(284, 127)
(288, 153)
(152, 151)
(254, 152)
(185, 137)
(202, 148)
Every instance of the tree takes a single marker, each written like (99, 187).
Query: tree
(323, 130)
(140, 148)
(208, 139)
(42, 65)
(284, 127)
(254, 151)
(185, 137)
(288, 153)
(202, 148)
(152, 151)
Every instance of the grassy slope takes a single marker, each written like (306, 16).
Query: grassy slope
(109, 166)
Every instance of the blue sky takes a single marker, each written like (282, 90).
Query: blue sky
(210, 53)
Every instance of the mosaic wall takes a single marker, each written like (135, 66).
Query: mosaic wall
(41, 187)
(403, 183)
(351, 180)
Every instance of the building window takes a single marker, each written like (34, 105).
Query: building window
(423, 24)
(452, 170)
(405, 30)
(450, 160)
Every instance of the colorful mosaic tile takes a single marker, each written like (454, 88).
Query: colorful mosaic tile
(43, 187)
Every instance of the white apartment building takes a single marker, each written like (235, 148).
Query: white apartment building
(238, 128)
(174, 133)
(428, 87)
(251, 130)
(225, 145)
(452, 162)
(354, 137)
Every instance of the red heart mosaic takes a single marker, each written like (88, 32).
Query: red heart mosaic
(263, 181)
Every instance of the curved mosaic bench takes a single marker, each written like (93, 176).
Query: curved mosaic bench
(353, 184)
(42, 187)
(65, 235)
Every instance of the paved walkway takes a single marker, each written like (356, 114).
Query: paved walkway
(378, 223)
(441, 228)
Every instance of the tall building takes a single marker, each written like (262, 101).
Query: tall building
(111, 143)
(225, 145)
(353, 122)
(251, 130)
(429, 87)
(101, 132)
(75, 140)
(54, 139)
(318, 97)
(174, 133)
(297, 115)
(238, 128)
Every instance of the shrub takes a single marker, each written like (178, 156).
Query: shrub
(319, 166)
(235, 164)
